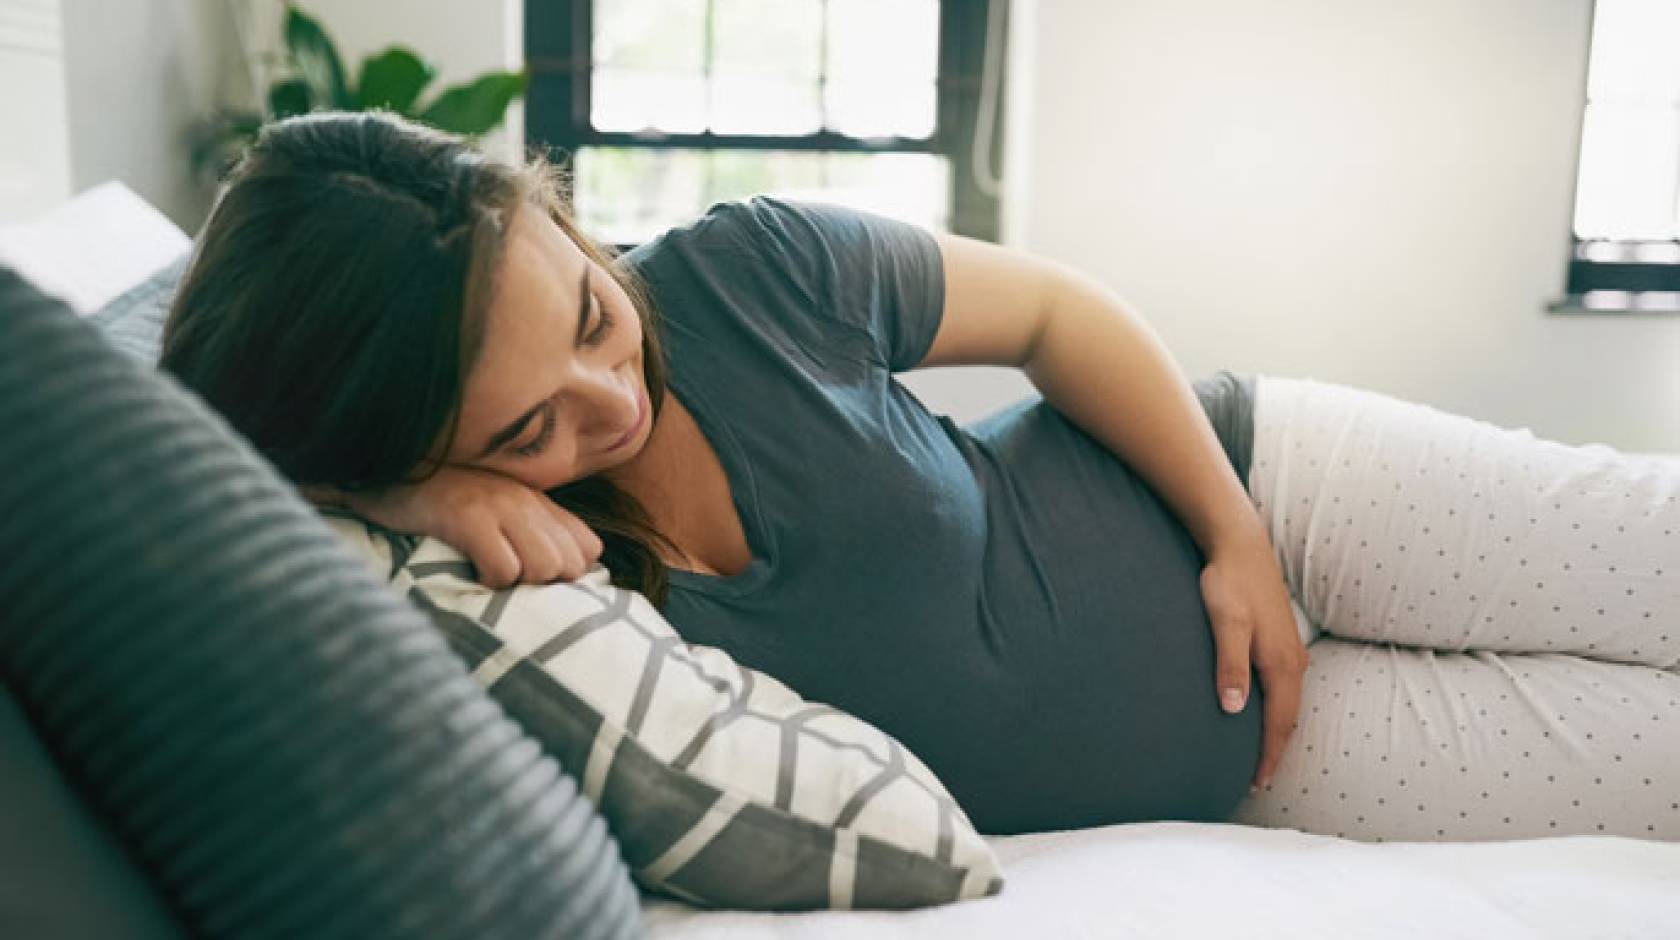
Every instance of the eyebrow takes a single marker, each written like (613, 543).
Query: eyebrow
(507, 434)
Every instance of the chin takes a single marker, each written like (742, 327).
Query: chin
(621, 461)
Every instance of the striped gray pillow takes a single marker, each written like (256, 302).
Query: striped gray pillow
(284, 748)
(723, 787)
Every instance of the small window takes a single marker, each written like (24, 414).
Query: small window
(662, 107)
(1627, 196)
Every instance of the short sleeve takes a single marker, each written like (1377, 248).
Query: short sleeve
(870, 272)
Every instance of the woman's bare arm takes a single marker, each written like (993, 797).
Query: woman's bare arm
(1100, 364)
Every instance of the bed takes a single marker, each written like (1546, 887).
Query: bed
(1179, 879)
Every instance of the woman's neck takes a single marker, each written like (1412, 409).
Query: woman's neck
(655, 476)
(650, 475)
(682, 484)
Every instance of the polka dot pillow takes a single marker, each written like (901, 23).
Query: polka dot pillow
(723, 787)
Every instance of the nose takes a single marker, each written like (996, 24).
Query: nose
(610, 400)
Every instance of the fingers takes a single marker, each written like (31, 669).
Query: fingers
(509, 549)
(510, 532)
(533, 543)
(589, 544)
(548, 544)
(547, 550)
(1282, 706)
(1284, 676)
(492, 555)
(1231, 638)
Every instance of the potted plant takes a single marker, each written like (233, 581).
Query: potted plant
(313, 78)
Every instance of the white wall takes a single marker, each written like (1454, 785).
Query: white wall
(35, 166)
(138, 73)
(1363, 192)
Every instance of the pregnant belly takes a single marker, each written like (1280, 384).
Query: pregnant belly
(1097, 704)
(1068, 683)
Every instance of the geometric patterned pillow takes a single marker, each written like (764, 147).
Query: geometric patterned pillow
(723, 787)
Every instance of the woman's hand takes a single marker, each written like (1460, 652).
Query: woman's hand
(1248, 601)
(511, 532)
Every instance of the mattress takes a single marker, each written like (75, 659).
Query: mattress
(1182, 879)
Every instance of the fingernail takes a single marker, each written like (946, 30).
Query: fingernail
(1233, 700)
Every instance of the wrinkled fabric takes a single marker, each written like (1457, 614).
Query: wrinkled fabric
(1008, 599)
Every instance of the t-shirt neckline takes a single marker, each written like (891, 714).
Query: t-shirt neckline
(743, 492)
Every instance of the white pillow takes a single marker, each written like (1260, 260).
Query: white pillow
(723, 787)
(92, 248)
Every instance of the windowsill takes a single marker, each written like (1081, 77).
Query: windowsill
(1618, 304)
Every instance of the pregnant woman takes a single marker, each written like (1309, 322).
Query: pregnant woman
(1045, 606)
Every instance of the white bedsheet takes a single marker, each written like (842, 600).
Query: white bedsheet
(1178, 879)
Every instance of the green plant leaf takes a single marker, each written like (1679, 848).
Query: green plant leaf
(392, 79)
(217, 141)
(289, 97)
(317, 61)
(477, 106)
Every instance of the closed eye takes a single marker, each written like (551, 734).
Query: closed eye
(603, 323)
(544, 435)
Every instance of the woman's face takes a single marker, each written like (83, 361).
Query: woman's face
(557, 392)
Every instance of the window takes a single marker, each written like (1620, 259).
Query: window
(662, 107)
(1627, 195)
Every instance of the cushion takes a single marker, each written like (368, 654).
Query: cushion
(723, 786)
(133, 320)
(284, 747)
(66, 874)
(93, 247)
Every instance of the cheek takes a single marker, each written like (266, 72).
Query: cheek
(630, 336)
(628, 326)
(555, 466)
(558, 465)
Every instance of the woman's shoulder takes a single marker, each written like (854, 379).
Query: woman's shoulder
(761, 249)
(816, 248)
(747, 224)
(819, 274)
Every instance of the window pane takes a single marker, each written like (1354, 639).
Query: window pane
(776, 38)
(642, 99)
(883, 57)
(628, 195)
(915, 187)
(1630, 172)
(766, 62)
(1633, 51)
(745, 103)
(668, 35)
(897, 36)
(766, 66)
(650, 58)
(878, 106)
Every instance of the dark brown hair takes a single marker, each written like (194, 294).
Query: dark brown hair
(335, 303)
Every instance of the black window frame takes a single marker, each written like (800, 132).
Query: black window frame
(1612, 265)
(558, 35)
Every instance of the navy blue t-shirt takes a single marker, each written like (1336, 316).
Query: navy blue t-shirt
(1008, 599)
